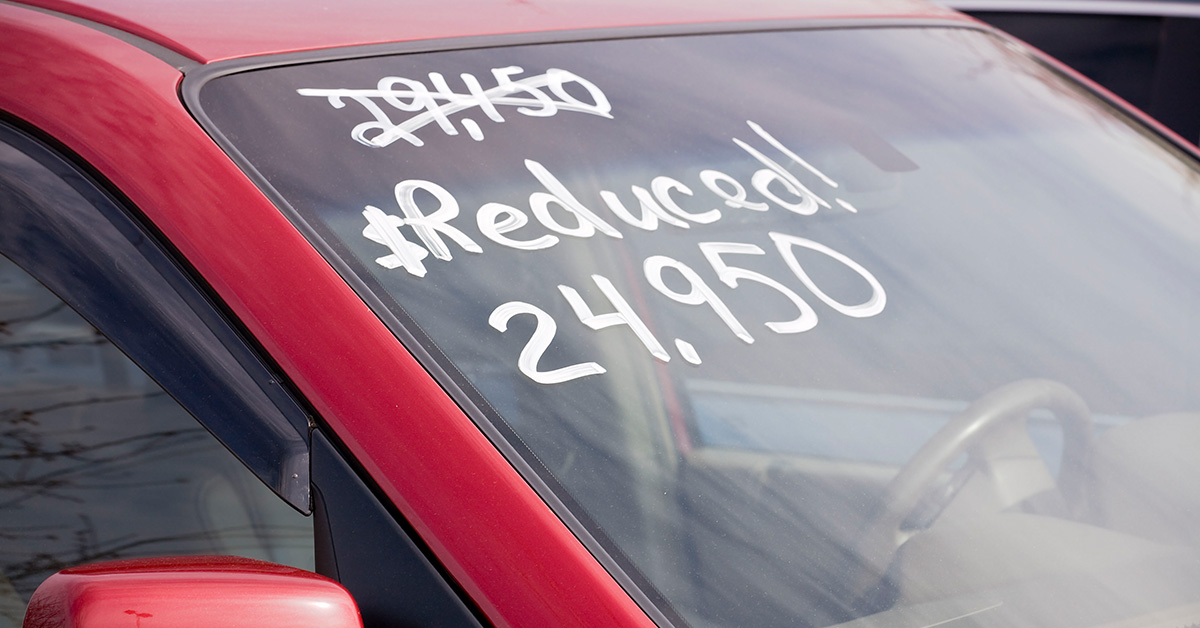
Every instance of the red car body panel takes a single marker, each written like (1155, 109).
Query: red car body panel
(223, 29)
(117, 108)
(190, 591)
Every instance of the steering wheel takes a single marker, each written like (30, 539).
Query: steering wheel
(985, 432)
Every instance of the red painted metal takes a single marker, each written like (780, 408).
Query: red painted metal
(210, 30)
(117, 107)
(190, 592)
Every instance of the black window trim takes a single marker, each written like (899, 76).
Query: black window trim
(223, 379)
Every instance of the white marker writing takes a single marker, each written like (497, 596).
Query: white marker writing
(698, 293)
(623, 316)
(730, 275)
(663, 186)
(490, 223)
(715, 181)
(542, 336)
(783, 149)
(408, 95)
(871, 307)
(539, 203)
(762, 179)
(385, 229)
(652, 212)
(431, 228)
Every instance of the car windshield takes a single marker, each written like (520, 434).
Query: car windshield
(885, 325)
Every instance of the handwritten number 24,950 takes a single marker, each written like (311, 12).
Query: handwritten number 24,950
(719, 256)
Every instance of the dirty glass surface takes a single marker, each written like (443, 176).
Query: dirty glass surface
(891, 326)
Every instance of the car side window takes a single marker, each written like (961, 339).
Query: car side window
(135, 419)
(97, 462)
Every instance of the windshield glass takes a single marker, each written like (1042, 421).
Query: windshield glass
(889, 325)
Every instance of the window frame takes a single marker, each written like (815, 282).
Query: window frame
(179, 335)
(359, 538)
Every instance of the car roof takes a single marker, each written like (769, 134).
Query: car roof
(1169, 8)
(213, 30)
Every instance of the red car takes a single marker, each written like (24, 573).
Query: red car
(569, 314)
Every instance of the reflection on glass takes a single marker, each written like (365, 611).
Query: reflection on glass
(885, 325)
(98, 463)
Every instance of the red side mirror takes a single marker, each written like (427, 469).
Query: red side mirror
(190, 592)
